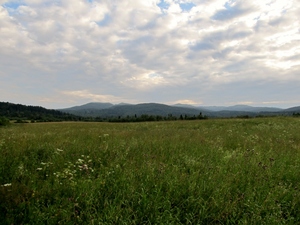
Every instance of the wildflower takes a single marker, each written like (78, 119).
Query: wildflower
(21, 167)
(6, 185)
(39, 169)
(80, 161)
(85, 167)
(105, 135)
(59, 150)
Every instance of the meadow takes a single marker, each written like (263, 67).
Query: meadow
(215, 171)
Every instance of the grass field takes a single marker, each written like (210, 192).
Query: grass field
(225, 171)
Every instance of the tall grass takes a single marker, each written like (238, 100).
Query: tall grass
(227, 171)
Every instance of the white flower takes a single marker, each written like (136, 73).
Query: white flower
(21, 167)
(59, 150)
(6, 185)
(39, 169)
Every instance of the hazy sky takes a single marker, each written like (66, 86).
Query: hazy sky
(61, 53)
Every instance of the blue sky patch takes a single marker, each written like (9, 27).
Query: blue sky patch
(228, 13)
(163, 5)
(202, 46)
(187, 6)
(12, 5)
(227, 5)
(106, 20)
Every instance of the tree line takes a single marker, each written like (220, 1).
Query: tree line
(146, 117)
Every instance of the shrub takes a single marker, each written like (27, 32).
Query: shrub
(4, 121)
(21, 121)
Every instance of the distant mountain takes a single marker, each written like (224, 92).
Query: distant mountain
(242, 108)
(91, 105)
(154, 109)
(87, 110)
(184, 106)
(108, 110)
(293, 109)
(123, 103)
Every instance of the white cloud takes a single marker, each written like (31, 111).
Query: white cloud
(88, 96)
(145, 81)
(186, 101)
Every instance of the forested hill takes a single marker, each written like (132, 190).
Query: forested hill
(115, 111)
(36, 113)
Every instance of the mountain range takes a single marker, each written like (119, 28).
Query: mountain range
(96, 111)
(106, 110)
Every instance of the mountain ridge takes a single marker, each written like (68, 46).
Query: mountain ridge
(137, 109)
(94, 110)
(124, 109)
(245, 108)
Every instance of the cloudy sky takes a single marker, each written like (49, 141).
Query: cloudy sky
(61, 53)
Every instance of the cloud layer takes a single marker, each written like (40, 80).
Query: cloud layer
(63, 53)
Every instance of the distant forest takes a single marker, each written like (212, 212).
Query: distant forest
(23, 114)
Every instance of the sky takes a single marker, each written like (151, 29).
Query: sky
(62, 53)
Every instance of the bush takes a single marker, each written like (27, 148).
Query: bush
(4, 121)
(21, 121)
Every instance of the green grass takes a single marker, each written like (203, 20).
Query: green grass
(226, 171)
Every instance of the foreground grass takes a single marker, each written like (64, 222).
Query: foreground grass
(229, 171)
